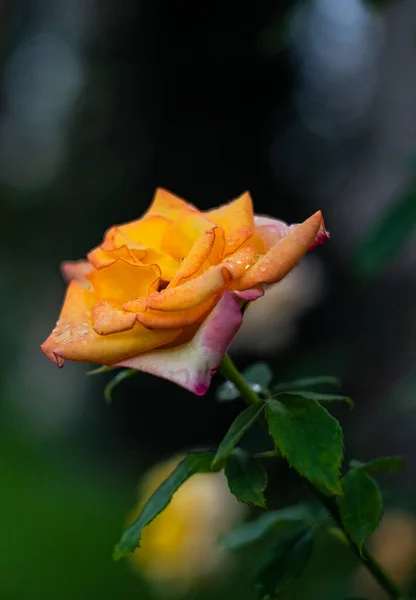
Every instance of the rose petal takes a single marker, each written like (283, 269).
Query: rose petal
(236, 218)
(193, 364)
(192, 293)
(241, 260)
(122, 281)
(206, 252)
(74, 338)
(143, 233)
(76, 270)
(118, 245)
(250, 295)
(138, 305)
(321, 237)
(180, 237)
(218, 249)
(196, 257)
(284, 255)
(149, 255)
(115, 238)
(147, 231)
(168, 205)
(280, 227)
(104, 258)
(107, 319)
(270, 231)
(158, 319)
(168, 266)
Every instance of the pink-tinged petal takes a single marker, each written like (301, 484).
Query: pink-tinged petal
(321, 237)
(270, 231)
(284, 255)
(267, 232)
(77, 270)
(279, 227)
(250, 295)
(193, 364)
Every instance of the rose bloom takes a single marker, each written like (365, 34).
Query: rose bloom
(180, 548)
(163, 294)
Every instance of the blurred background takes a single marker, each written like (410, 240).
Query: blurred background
(308, 104)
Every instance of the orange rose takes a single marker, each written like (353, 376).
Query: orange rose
(163, 294)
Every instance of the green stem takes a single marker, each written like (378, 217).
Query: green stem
(230, 372)
(364, 555)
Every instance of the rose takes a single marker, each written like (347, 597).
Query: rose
(163, 294)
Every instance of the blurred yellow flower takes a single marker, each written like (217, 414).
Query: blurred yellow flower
(393, 544)
(180, 548)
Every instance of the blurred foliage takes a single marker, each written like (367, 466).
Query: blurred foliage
(388, 236)
(59, 520)
(62, 519)
(379, 4)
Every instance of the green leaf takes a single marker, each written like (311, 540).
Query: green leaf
(99, 370)
(269, 522)
(239, 427)
(329, 398)
(119, 378)
(339, 535)
(361, 506)
(381, 464)
(194, 462)
(308, 437)
(321, 397)
(269, 454)
(259, 373)
(388, 236)
(286, 564)
(308, 382)
(247, 478)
